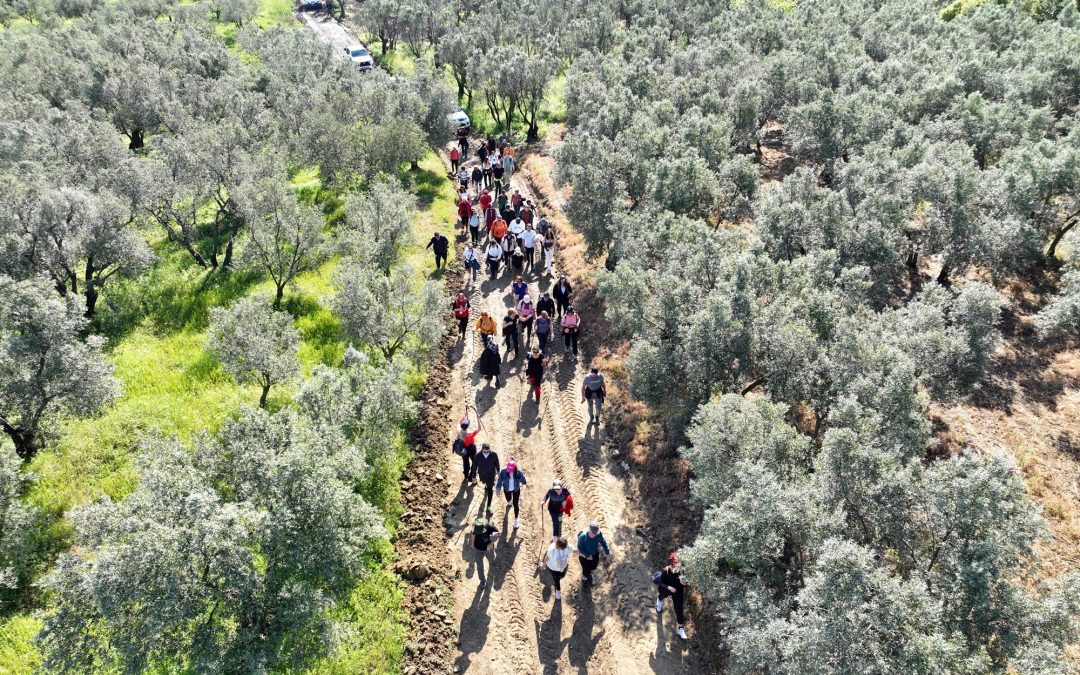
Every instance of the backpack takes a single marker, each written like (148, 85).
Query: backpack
(459, 447)
(479, 527)
(656, 576)
(568, 505)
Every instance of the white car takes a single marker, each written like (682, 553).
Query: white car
(360, 57)
(459, 118)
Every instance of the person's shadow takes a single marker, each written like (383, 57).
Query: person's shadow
(528, 416)
(473, 630)
(583, 641)
(550, 644)
(508, 549)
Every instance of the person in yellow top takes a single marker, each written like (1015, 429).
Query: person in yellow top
(486, 324)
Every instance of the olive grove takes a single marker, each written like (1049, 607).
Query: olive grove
(803, 214)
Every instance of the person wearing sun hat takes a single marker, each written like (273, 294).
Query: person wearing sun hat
(511, 480)
(670, 582)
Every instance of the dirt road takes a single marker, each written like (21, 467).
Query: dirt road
(515, 625)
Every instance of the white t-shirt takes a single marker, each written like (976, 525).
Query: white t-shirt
(529, 237)
(557, 559)
(494, 251)
(517, 226)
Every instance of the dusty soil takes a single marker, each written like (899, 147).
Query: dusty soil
(515, 624)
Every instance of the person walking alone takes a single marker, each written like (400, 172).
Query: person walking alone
(670, 583)
(558, 502)
(589, 543)
(556, 559)
(482, 542)
(441, 246)
(487, 470)
(571, 323)
(511, 480)
(594, 391)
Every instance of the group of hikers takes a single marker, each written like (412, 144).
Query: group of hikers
(513, 230)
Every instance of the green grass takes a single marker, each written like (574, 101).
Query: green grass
(18, 655)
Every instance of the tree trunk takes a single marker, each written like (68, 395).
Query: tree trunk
(91, 301)
(265, 391)
(228, 252)
(196, 255)
(533, 134)
(280, 295)
(25, 447)
(943, 275)
(1051, 252)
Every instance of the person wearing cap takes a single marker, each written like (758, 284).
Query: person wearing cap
(589, 543)
(594, 391)
(465, 446)
(571, 323)
(670, 583)
(511, 480)
(486, 466)
(534, 370)
(557, 558)
(526, 315)
(482, 543)
(562, 292)
(554, 500)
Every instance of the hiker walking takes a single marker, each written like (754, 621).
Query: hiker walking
(464, 210)
(463, 141)
(594, 391)
(486, 467)
(461, 312)
(549, 249)
(543, 329)
(519, 288)
(474, 227)
(526, 316)
(510, 333)
(562, 292)
(534, 370)
(490, 362)
(477, 177)
(556, 559)
(589, 544)
(571, 323)
(517, 260)
(455, 159)
(465, 446)
(485, 325)
(528, 241)
(559, 503)
(508, 166)
(670, 583)
(494, 257)
(441, 246)
(471, 260)
(482, 542)
(511, 480)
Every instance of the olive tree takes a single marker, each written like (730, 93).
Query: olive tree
(378, 223)
(49, 366)
(256, 344)
(17, 522)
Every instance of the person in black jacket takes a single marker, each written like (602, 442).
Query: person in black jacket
(545, 304)
(671, 583)
(563, 291)
(510, 333)
(487, 469)
(490, 361)
(534, 370)
(441, 245)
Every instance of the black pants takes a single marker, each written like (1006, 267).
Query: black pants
(467, 467)
(454, 165)
(561, 305)
(556, 578)
(677, 600)
(556, 522)
(464, 143)
(489, 492)
(512, 498)
(526, 327)
(529, 257)
(587, 566)
(462, 324)
(493, 267)
(512, 339)
(474, 232)
(439, 260)
(570, 341)
(543, 338)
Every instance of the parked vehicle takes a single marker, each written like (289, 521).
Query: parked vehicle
(459, 118)
(360, 57)
(311, 5)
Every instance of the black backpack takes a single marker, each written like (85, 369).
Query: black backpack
(459, 447)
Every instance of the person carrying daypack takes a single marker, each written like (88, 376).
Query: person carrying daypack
(490, 362)
(589, 543)
(526, 316)
(511, 480)
(461, 312)
(464, 446)
(670, 583)
(464, 210)
(471, 259)
(594, 391)
(482, 542)
(559, 503)
(493, 254)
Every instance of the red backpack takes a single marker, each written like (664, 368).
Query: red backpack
(568, 505)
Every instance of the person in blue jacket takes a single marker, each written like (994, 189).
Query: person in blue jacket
(511, 480)
(589, 543)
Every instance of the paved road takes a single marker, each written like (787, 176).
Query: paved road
(328, 29)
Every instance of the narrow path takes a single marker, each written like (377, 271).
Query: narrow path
(515, 625)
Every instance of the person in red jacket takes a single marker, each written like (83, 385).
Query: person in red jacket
(455, 158)
(464, 210)
(485, 199)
